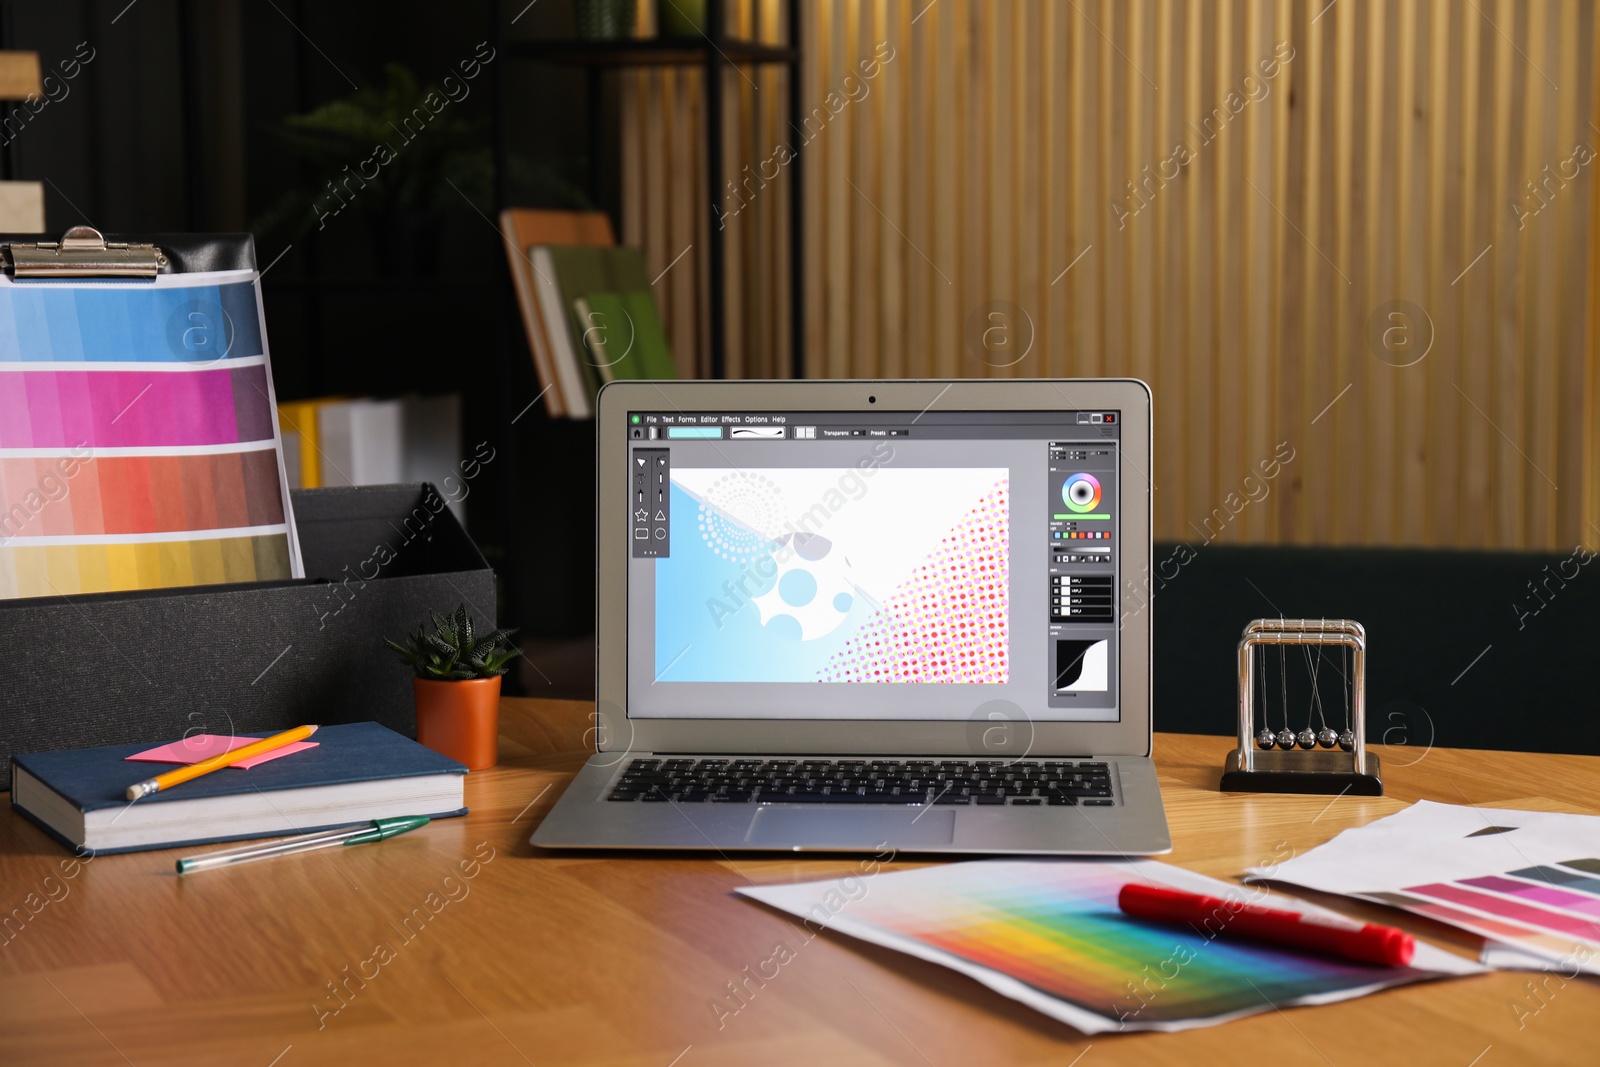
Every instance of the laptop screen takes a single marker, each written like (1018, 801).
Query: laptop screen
(888, 565)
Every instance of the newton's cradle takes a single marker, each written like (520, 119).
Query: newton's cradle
(1274, 757)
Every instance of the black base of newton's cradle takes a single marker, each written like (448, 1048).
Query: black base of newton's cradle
(1302, 772)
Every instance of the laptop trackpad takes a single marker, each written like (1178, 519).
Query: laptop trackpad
(850, 828)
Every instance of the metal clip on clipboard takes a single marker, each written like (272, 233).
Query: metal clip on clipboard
(82, 252)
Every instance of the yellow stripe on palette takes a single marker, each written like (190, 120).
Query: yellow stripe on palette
(67, 570)
(206, 559)
(94, 567)
(174, 563)
(122, 564)
(147, 561)
(37, 580)
(238, 559)
(62, 562)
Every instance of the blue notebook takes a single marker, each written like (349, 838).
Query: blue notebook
(358, 771)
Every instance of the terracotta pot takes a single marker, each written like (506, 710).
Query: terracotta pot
(460, 719)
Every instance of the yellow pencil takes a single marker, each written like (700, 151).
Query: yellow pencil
(227, 759)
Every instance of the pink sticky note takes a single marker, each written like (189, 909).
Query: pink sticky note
(199, 747)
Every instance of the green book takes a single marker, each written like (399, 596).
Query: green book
(579, 271)
(625, 337)
(615, 329)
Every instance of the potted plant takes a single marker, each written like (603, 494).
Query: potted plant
(368, 155)
(457, 686)
(369, 152)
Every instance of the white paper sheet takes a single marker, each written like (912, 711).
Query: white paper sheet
(1505, 874)
(1049, 935)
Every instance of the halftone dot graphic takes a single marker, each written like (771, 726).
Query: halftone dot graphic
(947, 621)
(810, 580)
(785, 626)
(757, 500)
(797, 588)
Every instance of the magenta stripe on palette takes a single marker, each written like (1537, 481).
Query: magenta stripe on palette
(1542, 918)
(1559, 898)
(134, 409)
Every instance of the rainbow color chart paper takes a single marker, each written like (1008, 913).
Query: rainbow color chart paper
(1050, 935)
(1526, 881)
(138, 443)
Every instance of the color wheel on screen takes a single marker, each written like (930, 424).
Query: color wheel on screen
(1081, 492)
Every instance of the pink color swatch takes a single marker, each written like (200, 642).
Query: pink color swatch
(1558, 898)
(1536, 917)
(203, 746)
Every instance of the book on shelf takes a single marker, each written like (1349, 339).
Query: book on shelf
(622, 336)
(343, 441)
(577, 388)
(297, 426)
(361, 442)
(524, 229)
(356, 772)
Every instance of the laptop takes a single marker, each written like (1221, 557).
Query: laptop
(871, 615)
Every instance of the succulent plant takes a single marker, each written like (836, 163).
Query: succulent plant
(454, 651)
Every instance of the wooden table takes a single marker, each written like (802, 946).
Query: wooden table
(393, 954)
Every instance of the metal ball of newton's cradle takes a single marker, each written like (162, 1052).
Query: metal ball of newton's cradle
(1286, 739)
(1266, 738)
(1327, 737)
(1308, 738)
(1347, 740)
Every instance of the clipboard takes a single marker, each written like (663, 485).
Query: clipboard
(139, 443)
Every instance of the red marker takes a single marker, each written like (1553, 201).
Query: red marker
(1331, 934)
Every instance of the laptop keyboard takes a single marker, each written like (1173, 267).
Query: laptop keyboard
(1025, 783)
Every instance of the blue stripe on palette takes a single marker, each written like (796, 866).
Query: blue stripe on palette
(1559, 876)
(136, 323)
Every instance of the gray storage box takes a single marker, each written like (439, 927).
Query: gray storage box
(115, 668)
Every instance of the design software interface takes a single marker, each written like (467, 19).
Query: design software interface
(893, 565)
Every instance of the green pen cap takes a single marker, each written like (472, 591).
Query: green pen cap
(386, 828)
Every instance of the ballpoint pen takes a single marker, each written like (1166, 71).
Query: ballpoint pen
(360, 834)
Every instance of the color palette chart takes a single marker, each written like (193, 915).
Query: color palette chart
(138, 442)
(1526, 881)
(1050, 934)
(1549, 907)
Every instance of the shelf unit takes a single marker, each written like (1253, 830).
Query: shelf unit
(711, 53)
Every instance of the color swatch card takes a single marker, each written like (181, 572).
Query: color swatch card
(1527, 881)
(139, 445)
(197, 748)
(1050, 935)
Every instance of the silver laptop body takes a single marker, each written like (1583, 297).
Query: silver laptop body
(886, 616)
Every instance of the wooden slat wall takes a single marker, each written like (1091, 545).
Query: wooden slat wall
(1380, 163)
(663, 208)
